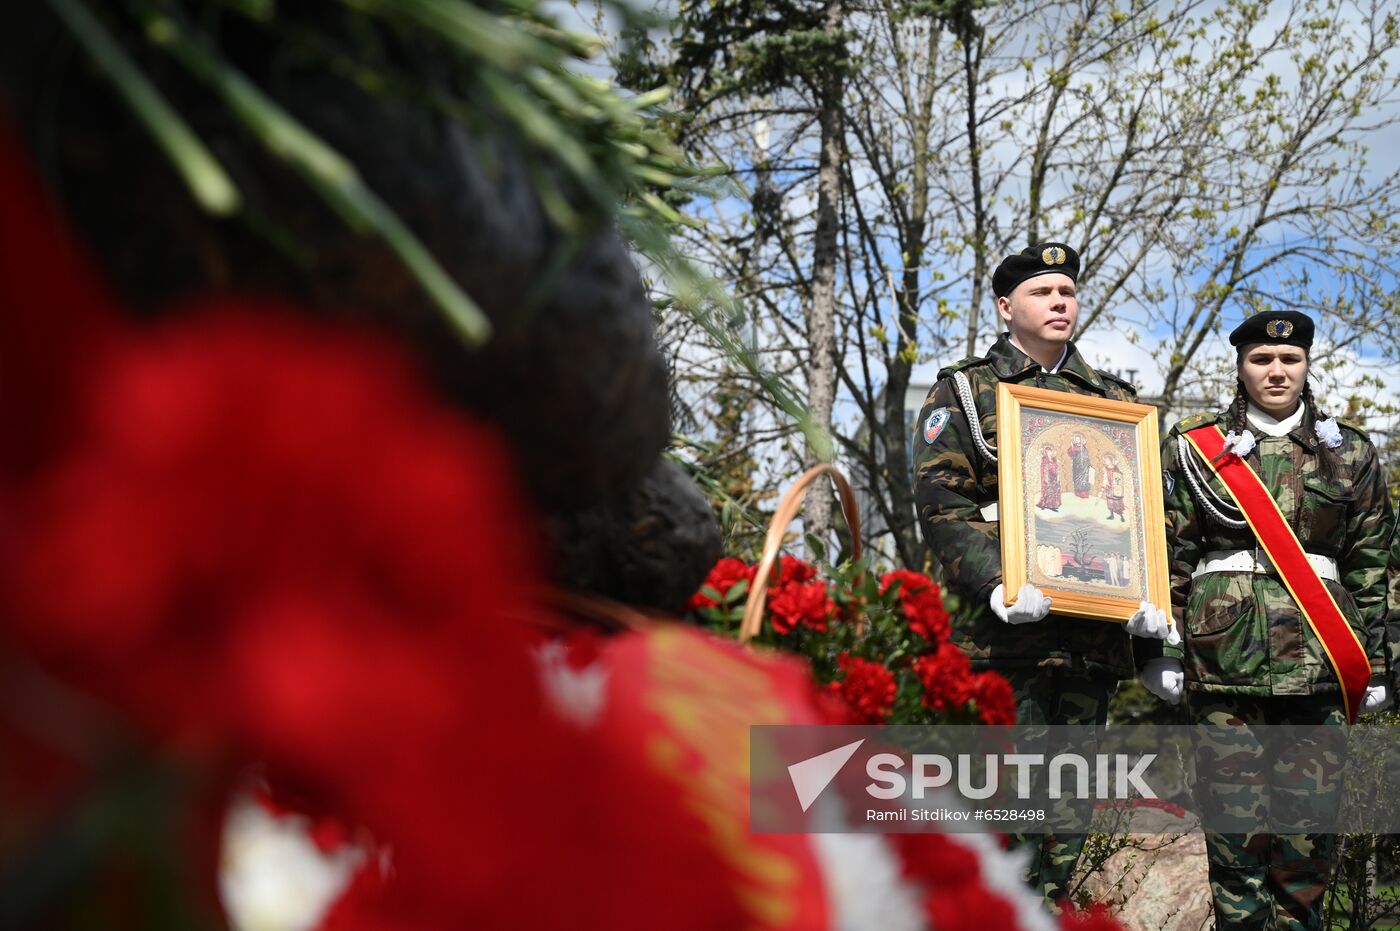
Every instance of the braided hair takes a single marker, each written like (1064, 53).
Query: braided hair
(1236, 420)
(1236, 413)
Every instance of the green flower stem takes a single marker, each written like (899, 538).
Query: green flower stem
(210, 185)
(328, 172)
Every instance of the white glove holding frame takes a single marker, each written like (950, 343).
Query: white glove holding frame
(1031, 605)
(1152, 622)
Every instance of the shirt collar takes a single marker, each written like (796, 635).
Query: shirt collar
(1269, 425)
(1008, 362)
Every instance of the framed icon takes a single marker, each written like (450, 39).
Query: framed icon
(1081, 501)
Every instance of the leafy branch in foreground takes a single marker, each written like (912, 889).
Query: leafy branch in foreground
(590, 148)
(595, 155)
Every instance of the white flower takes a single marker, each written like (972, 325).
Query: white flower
(1001, 871)
(865, 888)
(577, 695)
(1239, 443)
(273, 877)
(1328, 433)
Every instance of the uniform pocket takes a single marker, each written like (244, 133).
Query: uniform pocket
(1324, 515)
(1218, 600)
(1328, 491)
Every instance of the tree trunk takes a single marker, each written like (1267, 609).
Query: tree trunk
(972, 60)
(821, 321)
(898, 481)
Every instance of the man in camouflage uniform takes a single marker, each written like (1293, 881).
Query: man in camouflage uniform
(1392, 621)
(1063, 670)
(1249, 657)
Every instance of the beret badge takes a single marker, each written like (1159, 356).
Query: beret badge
(1053, 255)
(1279, 329)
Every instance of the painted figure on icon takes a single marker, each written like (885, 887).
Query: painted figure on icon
(1113, 487)
(1081, 466)
(1049, 480)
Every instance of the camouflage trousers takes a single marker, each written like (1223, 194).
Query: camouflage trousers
(1056, 695)
(1272, 872)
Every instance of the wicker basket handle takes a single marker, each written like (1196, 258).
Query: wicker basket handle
(787, 511)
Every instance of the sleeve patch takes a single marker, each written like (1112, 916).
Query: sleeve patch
(937, 420)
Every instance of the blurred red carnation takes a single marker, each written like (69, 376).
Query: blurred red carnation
(995, 700)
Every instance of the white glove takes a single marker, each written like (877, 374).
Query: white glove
(1377, 697)
(1164, 678)
(1030, 605)
(1152, 622)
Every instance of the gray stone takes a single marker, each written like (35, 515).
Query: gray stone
(1158, 882)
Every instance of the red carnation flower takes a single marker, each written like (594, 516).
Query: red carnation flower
(793, 604)
(946, 677)
(233, 464)
(922, 602)
(796, 597)
(956, 895)
(969, 906)
(996, 704)
(868, 690)
(725, 574)
(792, 570)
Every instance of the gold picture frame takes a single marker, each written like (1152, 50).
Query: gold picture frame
(1086, 525)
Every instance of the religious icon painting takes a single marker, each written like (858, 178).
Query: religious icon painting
(1081, 501)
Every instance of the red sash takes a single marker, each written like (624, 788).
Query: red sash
(1338, 640)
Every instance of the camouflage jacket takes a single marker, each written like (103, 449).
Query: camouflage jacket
(953, 482)
(1244, 633)
(1392, 619)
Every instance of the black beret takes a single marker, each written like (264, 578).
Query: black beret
(1284, 327)
(1043, 259)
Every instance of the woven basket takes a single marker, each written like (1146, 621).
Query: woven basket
(777, 529)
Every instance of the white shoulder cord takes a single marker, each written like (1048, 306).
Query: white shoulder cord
(974, 420)
(1201, 491)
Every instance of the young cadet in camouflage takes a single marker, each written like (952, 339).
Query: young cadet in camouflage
(1249, 657)
(1063, 670)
